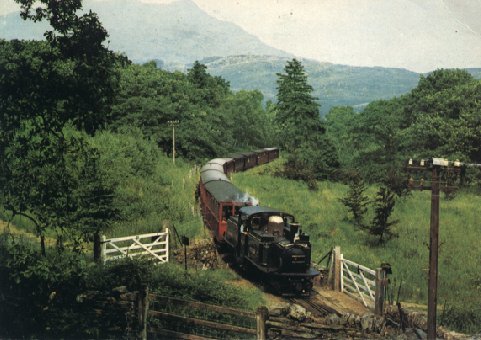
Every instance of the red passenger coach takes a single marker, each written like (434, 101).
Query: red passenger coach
(219, 199)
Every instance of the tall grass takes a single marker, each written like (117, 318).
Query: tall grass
(164, 204)
(326, 219)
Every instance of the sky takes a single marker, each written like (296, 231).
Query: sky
(420, 35)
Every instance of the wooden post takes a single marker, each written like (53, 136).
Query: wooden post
(97, 245)
(103, 248)
(336, 269)
(379, 293)
(262, 315)
(167, 235)
(143, 311)
(433, 255)
(341, 275)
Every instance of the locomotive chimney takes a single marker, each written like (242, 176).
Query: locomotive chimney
(294, 230)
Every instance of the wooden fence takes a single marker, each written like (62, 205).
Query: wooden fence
(358, 281)
(154, 246)
(176, 318)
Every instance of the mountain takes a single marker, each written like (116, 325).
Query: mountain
(333, 84)
(176, 33)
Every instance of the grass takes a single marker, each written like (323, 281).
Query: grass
(327, 221)
(159, 205)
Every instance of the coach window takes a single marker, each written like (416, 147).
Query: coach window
(226, 212)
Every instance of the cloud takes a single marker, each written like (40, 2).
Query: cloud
(420, 35)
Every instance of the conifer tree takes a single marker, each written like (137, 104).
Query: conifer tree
(297, 109)
(355, 200)
(311, 155)
(383, 207)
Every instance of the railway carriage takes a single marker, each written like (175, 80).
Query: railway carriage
(228, 164)
(250, 160)
(272, 153)
(219, 199)
(262, 156)
(239, 162)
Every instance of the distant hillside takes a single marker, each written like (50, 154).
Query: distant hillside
(176, 33)
(333, 84)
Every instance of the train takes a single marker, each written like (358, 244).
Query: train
(263, 240)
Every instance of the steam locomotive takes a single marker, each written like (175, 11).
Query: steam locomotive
(261, 239)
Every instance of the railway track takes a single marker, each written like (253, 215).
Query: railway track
(314, 305)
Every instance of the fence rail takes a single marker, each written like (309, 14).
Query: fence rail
(192, 319)
(153, 245)
(358, 281)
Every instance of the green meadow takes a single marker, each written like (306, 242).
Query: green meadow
(328, 223)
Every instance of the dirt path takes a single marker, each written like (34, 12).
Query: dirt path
(340, 302)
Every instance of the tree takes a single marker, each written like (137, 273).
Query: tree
(250, 125)
(39, 185)
(45, 87)
(302, 133)
(89, 67)
(340, 122)
(56, 183)
(355, 200)
(297, 109)
(94, 196)
(383, 207)
(209, 90)
(149, 97)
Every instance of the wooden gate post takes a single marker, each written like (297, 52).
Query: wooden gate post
(379, 294)
(262, 315)
(103, 248)
(336, 269)
(142, 311)
(167, 244)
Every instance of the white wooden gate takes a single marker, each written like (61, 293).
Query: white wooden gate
(154, 246)
(358, 281)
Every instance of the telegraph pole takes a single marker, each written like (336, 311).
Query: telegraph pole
(433, 255)
(438, 166)
(173, 123)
